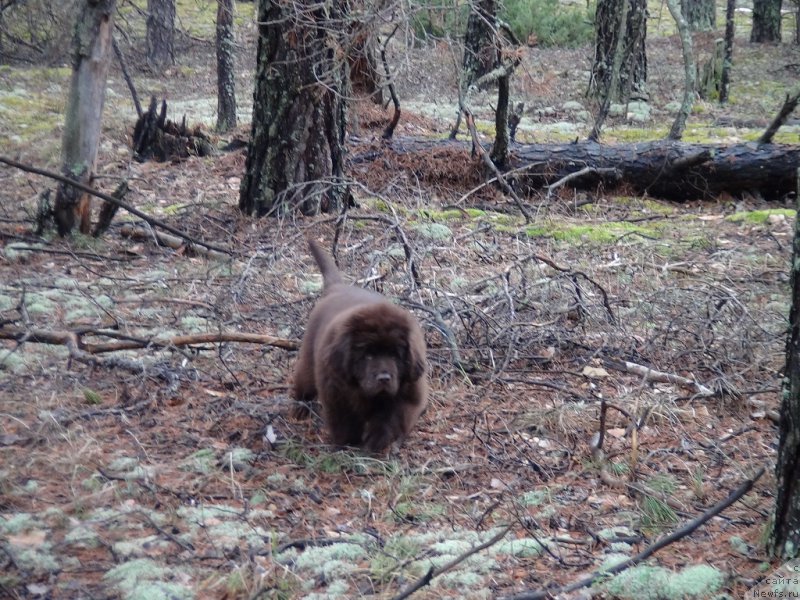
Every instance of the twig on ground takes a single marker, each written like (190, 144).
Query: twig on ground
(552, 264)
(73, 339)
(432, 572)
(687, 529)
(649, 374)
(164, 239)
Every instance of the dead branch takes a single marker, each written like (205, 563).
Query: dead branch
(648, 374)
(610, 172)
(787, 109)
(127, 76)
(687, 529)
(469, 119)
(553, 265)
(73, 340)
(108, 198)
(164, 239)
(428, 577)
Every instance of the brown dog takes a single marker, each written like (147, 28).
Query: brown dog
(363, 359)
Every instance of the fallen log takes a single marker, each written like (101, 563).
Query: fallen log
(662, 169)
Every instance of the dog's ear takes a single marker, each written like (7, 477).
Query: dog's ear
(416, 361)
(339, 355)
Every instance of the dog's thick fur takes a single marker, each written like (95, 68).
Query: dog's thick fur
(363, 359)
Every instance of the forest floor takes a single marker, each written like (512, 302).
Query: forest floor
(158, 469)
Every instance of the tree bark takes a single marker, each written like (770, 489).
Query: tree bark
(785, 540)
(91, 55)
(766, 21)
(689, 69)
(481, 48)
(160, 34)
(295, 152)
(727, 61)
(226, 79)
(632, 79)
(701, 15)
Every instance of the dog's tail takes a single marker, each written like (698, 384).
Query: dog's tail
(330, 272)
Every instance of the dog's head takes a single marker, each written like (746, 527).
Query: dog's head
(380, 349)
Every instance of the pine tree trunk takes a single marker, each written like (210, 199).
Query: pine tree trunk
(766, 21)
(295, 152)
(91, 54)
(701, 15)
(226, 80)
(481, 53)
(160, 34)
(632, 79)
(727, 61)
(785, 541)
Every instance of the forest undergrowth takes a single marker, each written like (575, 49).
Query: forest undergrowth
(145, 453)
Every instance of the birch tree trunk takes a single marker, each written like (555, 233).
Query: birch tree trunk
(91, 54)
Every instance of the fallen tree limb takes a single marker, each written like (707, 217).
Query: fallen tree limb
(648, 374)
(115, 201)
(164, 239)
(687, 529)
(75, 339)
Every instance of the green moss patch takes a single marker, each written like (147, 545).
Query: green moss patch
(759, 217)
(599, 233)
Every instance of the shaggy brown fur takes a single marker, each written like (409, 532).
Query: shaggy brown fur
(363, 359)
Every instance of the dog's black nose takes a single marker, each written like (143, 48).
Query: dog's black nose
(384, 376)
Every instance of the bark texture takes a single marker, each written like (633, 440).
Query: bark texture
(689, 69)
(632, 78)
(670, 170)
(785, 540)
(295, 152)
(481, 49)
(160, 34)
(701, 15)
(727, 61)
(226, 79)
(91, 54)
(766, 21)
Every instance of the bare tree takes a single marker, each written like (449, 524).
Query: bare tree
(91, 55)
(226, 79)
